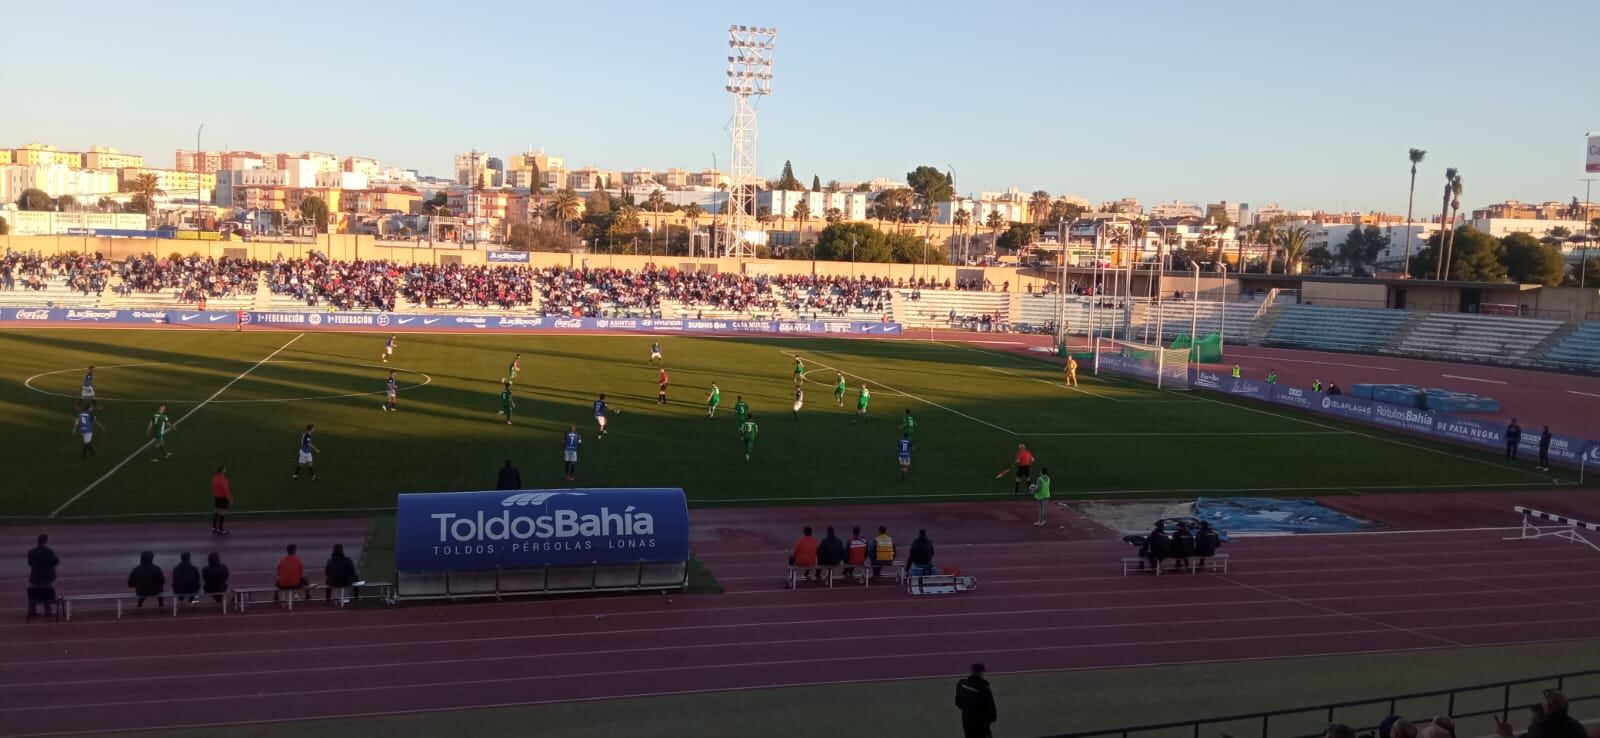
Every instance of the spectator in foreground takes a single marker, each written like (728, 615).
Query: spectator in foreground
(214, 578)
(1339, 730)
(1555, 723)
(147, 579)
(291, 573)
(976, 702)
(920, 561)
(42, 563)
(340, 572)
(831, 551)
(510, 477)
(186, 579)
(805, 553)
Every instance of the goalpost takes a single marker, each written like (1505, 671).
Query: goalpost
(1166, 368)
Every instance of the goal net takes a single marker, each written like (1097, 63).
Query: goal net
(1166, 368)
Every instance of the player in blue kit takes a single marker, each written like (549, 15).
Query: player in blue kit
(904, 448)
(88, 384)
(307, 461)
(655, 353)
(569, 451)
(84, 425)
(600, 410)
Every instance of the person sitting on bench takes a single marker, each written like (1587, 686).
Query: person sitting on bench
(291, 573)
(147, 579)
(186, 579)
(1181, 546)
(882, 551)
(214, 577)
(1155, 547)
(1206, 543)
(805, 553)
(42, 563)
(830, 552)
(856, 554)
(340, 572)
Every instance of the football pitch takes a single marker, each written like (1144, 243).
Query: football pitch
(242, 399)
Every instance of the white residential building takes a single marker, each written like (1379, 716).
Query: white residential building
(55, 180)
(342, 180)
(851, 205)
(1175, 209)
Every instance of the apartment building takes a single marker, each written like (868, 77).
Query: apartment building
(99, 157)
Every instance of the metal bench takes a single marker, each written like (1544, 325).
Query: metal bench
(383, 591)
(862, 573)
(1215, 562)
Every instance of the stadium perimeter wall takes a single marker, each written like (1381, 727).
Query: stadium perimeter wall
(352, 247)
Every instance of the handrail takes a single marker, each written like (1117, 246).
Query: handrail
(1264, 719)
(1272, 296)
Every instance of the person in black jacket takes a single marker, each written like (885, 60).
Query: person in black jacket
(214, 577)
(1544, 449)
(1555, 723)
(42, 563)
(186, 579)
(920, 561)
(147, 579)
(976, 703)
(1181, 546)
(1513, 439)
(510, 477)
(830, 552)
(1206, 543)
(1155, 547)
(340, 572)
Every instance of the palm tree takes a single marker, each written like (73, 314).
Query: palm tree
(1245, 234)
(1219, 226)
(1267, 234)
(145, 187)
(564, 207)
(996, 222)
(1444, 221)
(802, 212)
(1416, 156)
(1293, 241)
(1455, 210)
(1039, 205)
(717, 216)
(692, 213)
(833, 216)
(961, 219)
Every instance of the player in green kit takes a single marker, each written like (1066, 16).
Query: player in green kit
(515, 369)
(741, 410)
(838, 391)
(748, 430)
(713, 400)
(506, 403)
(861, 404)
(799, 371)
(908, 426)
(159, 425)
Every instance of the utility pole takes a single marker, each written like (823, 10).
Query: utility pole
(1583, 264)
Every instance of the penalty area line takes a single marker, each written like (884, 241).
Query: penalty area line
(136, 452)
(904, 393)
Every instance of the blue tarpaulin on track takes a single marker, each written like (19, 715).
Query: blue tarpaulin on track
(1272, 515)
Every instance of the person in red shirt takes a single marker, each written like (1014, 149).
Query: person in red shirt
(221, 500)
(856, 552)
(1024, 470)
(805, 553)
(291, 573)
(661, 396)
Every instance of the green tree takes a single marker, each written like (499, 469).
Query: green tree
(853, 242)
(1292, 241)
(1362, 246)
(1061, 210)
(1444, 221)
(439, 200)
(1455, 210)
(564, 207)
(1478, 256)
(816, 183)
(892, 205)
(597, 203)
(1039, 206)
(787, 181)
(1416, 156)
(863, 187)
(66, 202)
(1018, 237)
(1588, 276)
(833, 215)
(1185, 258)
(802, 212)
(1220, 223)
(995, 221)
(5, 227)
(34, 198)
(313, 208)
(1319, 258)
(1530, 262)
(930, 184)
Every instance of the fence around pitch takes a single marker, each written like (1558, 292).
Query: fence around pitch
(1480, 700)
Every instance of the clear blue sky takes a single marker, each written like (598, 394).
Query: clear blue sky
(1307, 104)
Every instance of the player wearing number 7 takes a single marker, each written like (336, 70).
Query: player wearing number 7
(157, 428)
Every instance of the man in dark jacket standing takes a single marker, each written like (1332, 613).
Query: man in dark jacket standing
(976, 703)
(510, 477)
(1544, 449)
(147, 579)
(830, 552)
(42, 563)
(1513, 439)
(919, 562)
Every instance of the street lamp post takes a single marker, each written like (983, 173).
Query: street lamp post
(1061, 287)
(1583, 265)
(199, 171)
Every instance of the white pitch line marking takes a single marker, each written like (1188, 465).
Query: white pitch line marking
(1007, 431)
(1585, 394)
(175, 424)
(1472, 379)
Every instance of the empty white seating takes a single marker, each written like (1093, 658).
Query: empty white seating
(1576, 351)
(932, 309)
(1481, 338)
(55, 294)
(1334, 328)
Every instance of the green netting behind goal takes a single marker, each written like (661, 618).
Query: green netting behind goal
(1208, 350)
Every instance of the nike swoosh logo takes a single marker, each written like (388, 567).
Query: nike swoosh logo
(429, 321)
(188, 316)
(404, 321)
(216, 318)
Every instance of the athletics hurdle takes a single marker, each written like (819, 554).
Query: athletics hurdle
(1564, 527)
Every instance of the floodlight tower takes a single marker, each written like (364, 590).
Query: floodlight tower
(749, 74)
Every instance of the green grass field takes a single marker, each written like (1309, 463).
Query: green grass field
(1105, 439)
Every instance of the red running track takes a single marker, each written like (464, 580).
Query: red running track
(1049, 600)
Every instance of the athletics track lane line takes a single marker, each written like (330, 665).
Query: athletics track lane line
(136, 452)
